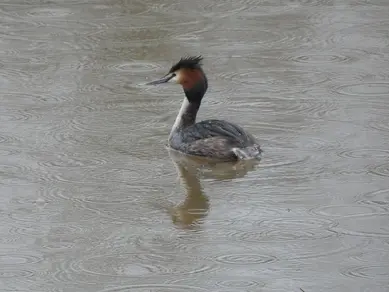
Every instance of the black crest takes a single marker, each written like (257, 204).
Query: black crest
(187, 63)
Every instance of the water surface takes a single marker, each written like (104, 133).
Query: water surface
(91, 200)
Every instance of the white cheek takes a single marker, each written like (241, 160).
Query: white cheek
(177, 78)
(174, 79)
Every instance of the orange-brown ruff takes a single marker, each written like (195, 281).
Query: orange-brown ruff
(211, 138)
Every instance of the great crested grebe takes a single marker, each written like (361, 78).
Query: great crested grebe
(216, 139)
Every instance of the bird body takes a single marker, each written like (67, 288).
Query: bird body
(217, 139)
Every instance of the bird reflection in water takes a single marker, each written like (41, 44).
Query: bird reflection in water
(193, 210)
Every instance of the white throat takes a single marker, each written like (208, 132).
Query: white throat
(179, 120)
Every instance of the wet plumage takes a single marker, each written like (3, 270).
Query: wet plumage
(210, 138)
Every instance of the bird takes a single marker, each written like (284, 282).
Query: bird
(215, 139)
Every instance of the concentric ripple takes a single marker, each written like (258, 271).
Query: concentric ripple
(366, 225)
(368, 256)
(319, 145)
(15, 174)
(61, 245)
(14, 77)
(227, 282)
(280, 233)
(381, 125)
(18, 115)
(136, 67)
(8, 152)
(32, 213)
(66, 136)
(18, 259)
(309, 107)
(49, 12)
(379, 198)
(380, 170)
(89, 88)
(287, 78)
(320, 58)
(285, 229)
(31, 99)
(9, 238)
(118, 212)
(364, 89)
(246, 259)
(282, 164)
(27, 231)
(378, 273)
(110, 267)
(28, 215)
(115, 122)
(222, 9)
(154, 288)
(173, 242)
(365, 153)
(362, 34)
(70, 162)
(239, 284)
(125, 265)
(93, 195)
(207, 9)
(7, 139)
(14, 273)
(332, 211)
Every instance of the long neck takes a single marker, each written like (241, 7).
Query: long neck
(191, 104)
(186, 116)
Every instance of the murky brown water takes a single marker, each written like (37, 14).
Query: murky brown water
(90, 198)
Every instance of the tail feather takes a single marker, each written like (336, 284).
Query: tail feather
(250, 152)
